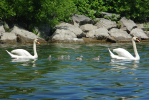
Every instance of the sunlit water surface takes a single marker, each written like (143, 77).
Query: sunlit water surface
(44, 79)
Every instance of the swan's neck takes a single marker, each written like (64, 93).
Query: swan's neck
(34, 48)
(135, 49)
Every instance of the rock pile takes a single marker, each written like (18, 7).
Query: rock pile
(102, 30)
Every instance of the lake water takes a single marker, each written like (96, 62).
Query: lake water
(44, 79)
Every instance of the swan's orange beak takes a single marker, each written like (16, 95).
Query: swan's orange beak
(138, 40)
(38, 42)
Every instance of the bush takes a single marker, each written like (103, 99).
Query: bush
(36, 12)
(33, 12)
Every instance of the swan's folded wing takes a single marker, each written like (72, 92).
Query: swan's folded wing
(21, 52)
(123, 53)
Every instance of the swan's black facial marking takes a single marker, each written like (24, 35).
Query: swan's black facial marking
(37, 41)
(137, 39)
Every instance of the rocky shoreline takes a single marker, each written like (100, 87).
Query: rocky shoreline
(81, 30)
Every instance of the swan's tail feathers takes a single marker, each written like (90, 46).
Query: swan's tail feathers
(11, 55)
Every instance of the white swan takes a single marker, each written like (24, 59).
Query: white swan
(124, 54)
(21, 53)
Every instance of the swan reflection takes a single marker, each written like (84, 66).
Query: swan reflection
(120, 64)
(25, 62)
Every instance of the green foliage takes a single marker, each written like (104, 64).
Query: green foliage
(37, 12)
(33, 12)
(135, 9)
(90, 8)
(146, 25)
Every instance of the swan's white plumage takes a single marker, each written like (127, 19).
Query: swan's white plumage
(21, 53)
(124, 54)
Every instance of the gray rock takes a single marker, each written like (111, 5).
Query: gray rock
(110, 15)
(43, 31)
(147, 33)
(25, 36)
(120, 35)
(81, 20)
(141, 26)
(127, 24)
(106, 24)
(139, 33)
(2, 30)
(100, 34)
(8, 38)
(88, 27)
(66, 26)
(63, 35)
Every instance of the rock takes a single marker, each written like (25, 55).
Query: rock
(127, 25)
(8, 38)
(120, 35)
(25, 36)
(147, 33)
(2, 30)
(100, 34)
(43, 31)
(106, 24)
(141, 26)
(81, 20)
(139, 33)
(6, 26)
(110, 15)
(66, 26)
(63, 35)
(88, 27)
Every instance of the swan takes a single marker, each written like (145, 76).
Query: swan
(21, 53)
(124, 54)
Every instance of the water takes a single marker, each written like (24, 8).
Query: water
(54, 79)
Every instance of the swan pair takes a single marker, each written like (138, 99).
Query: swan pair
(124, 54)
(23, 54)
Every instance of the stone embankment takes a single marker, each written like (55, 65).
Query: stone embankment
(82, 29)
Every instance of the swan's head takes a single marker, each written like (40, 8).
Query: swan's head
(37, 41)
(136, 39)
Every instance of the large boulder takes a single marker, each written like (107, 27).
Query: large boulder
(66, 26)
(8, 38)
(88, 27)
(120, 35)
(43, 30)
(147, 33)
(106, 24)
(25, 36)
(100, 34)
(139, 33)
(81, 20)
(127, 24)
(63, 35)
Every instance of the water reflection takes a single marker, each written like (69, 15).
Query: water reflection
(123, 64)
(49, 79)
(25, 62)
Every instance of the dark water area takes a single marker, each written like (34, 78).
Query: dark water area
(44, 79)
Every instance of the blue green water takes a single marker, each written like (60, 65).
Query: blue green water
(44, 79)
